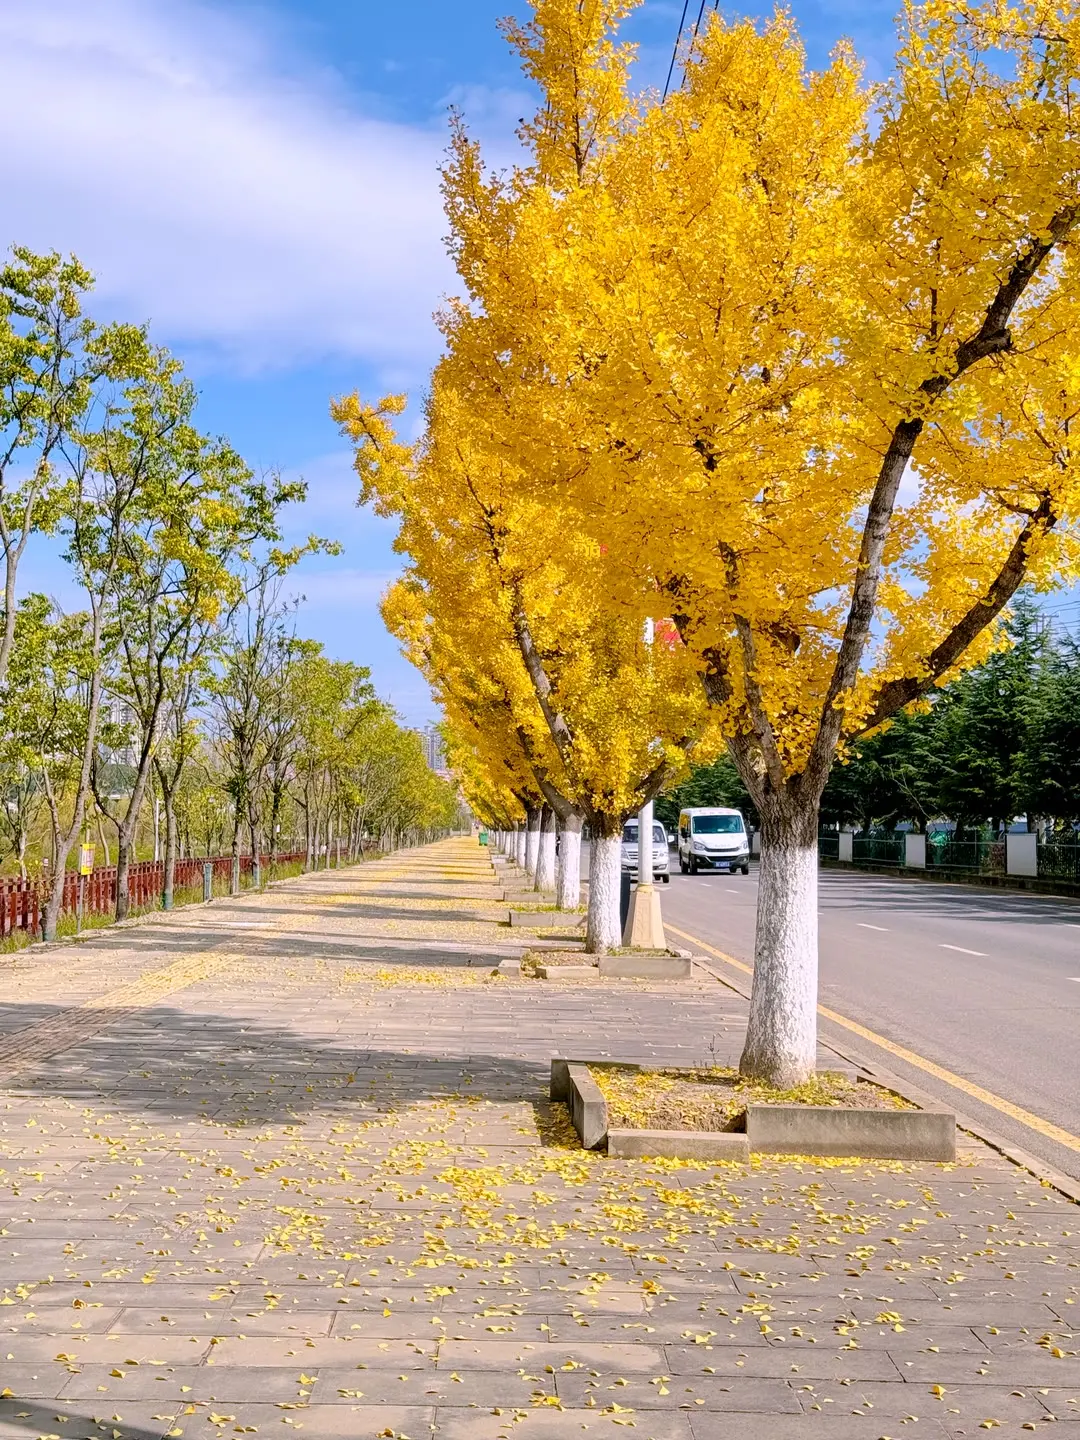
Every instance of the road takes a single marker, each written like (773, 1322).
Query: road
(984, 983)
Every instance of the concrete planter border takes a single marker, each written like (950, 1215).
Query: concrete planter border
(827, 1130)
(547, 919)
(676, 965)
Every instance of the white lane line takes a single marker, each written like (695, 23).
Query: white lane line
(730, 890)
(863, 926)
(981, 953)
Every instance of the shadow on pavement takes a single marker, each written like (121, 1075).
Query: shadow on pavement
(168, 1065)
(53, 1420)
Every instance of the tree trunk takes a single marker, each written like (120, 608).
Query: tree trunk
(256, 848)
(532, 837)
(234, 885)
(519, 847)
(602, 929)
(169, 882)
(781, 1037)
(123, 865)
(568, 895)
(545, 853)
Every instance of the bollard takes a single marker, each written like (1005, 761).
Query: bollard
(208, 882)
(626, 881)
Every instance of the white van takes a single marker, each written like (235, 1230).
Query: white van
(659, 850)
(713, 838)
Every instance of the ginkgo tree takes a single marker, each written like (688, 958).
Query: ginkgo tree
(802, 353)
(604, 719)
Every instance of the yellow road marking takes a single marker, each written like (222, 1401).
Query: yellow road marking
(987, 1097)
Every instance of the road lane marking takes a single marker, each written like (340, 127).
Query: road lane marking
(987, 1097)
(960, 949)
(863, 926)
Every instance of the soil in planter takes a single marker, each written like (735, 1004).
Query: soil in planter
(533, 958)
(716, 1098)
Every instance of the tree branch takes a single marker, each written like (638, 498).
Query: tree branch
(895, 694)
(992, 338)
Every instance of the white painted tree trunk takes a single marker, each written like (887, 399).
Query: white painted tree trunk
(545, 854)
(568, 880)
(519, 846)
(602, 929)
(781, 1037)
(532, 840)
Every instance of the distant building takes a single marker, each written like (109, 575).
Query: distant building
(434, 750)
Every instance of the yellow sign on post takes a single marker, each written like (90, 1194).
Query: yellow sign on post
(86, 860)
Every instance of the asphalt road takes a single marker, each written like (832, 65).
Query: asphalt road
(985, 983)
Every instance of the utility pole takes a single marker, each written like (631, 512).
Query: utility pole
(644, 921)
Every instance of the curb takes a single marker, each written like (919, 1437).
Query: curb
(1054, 1179)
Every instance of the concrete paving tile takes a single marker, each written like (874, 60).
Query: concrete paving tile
(31, 1382)
(108, 1349)
(186, 1382)
(667, 1392)
(510, 1355)
(221, 1320)
(139, 1421)
(802, 1427)
(319, 1422)
(329, 1351)
(774, 1362)
(43, 1317)
(909, 1397)
(454, 1424)
(481, 1388)
(1035, 1368)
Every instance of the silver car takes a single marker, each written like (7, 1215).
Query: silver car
(659, 853)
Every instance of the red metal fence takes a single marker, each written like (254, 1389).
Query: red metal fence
(22, 901)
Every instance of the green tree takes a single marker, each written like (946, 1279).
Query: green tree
(1049, 771)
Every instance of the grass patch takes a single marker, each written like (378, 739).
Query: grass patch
(716, 1097)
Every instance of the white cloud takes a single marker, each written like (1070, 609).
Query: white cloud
(238, 206)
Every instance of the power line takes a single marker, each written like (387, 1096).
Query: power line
(693, 41)
(675, 51)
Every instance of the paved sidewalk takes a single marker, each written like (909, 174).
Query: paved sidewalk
(287, 1163)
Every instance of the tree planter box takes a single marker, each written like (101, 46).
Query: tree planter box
(810, 1130)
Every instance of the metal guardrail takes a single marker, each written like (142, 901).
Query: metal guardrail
(877, 849)
(980, 856)
(1059, 860)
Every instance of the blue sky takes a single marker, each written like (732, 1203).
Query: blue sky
(259, 182)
